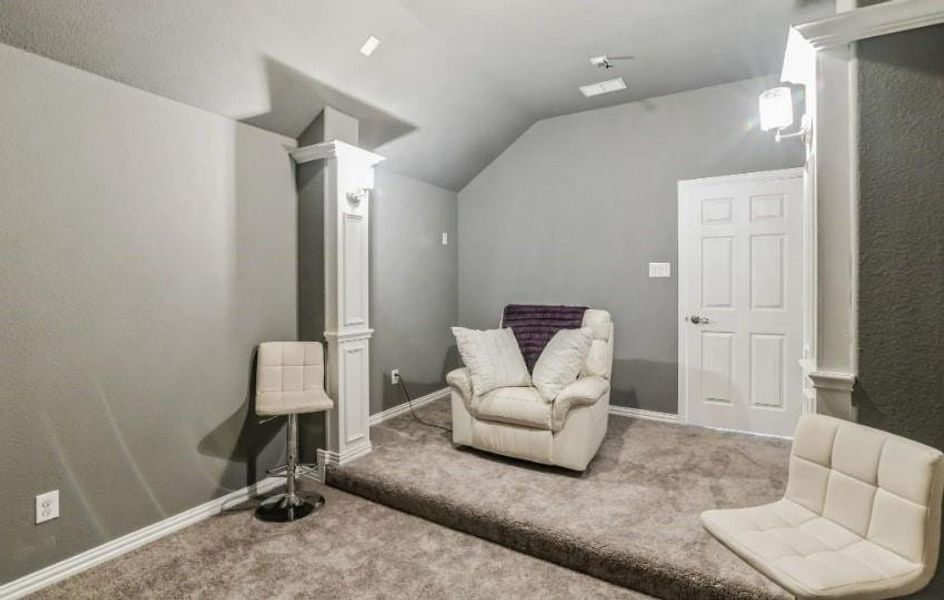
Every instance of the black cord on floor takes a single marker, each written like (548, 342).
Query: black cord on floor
(409, 401)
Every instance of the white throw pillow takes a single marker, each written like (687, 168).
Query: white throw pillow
(493, 359)
(561, 360)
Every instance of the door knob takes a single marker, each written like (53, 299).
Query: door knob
(697, 320)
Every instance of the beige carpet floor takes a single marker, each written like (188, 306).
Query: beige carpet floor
(631, 518)
(352, 548)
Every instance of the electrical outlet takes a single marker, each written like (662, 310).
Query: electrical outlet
(394, 376)
(47, 506)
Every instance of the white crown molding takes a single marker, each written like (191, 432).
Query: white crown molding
(400, 409)
(335, 149)
(639, 413)
(126, 543)
(312, 153)
(871, 21)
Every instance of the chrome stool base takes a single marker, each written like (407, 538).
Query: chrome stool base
(292, 504)
(283, 508)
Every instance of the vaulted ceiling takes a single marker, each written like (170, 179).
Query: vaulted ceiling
(453, 81)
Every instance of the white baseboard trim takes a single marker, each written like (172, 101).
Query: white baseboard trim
(639, 413)
(405, 407)
(751, 433)
(330, 457)
(126, 543)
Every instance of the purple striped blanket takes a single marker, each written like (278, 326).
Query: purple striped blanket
(535, 324)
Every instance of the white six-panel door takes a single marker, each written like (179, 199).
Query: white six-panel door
(740, 301)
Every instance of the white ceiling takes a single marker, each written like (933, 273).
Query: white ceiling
(453, 81)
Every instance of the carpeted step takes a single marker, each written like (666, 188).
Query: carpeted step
(538, 510)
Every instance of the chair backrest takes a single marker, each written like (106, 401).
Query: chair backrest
(883, 487)
(284, 368)
(600, 358)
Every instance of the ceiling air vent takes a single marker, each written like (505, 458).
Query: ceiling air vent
(604, 87)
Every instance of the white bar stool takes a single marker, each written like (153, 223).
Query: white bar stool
(290, 381)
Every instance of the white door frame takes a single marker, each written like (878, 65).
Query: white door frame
(683, 211)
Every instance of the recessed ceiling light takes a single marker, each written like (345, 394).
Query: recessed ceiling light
(604, 87)
(369, 46)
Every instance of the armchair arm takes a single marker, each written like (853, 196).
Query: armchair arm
(461, 381)
(585, 391)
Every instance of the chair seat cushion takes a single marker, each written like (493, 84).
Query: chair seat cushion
(289, 403)
(810, 555)
(514, 405)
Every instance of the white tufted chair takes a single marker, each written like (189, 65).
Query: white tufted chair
(520, 423)
(861, 516)
(290, 381)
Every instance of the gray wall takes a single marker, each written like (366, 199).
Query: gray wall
(146, 247)
(413, 286)
(310, 182)
(577, 207)
(901, 240)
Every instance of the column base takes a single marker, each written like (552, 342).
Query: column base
(329, 457)
(832, 394)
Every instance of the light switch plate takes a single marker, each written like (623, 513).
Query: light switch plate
(47, 506)
(660, 269)
(445, 239)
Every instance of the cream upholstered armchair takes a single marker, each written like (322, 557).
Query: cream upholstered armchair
(861, 516)
(519, 422)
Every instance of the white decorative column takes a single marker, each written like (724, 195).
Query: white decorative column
(821, 56)
(348, 180)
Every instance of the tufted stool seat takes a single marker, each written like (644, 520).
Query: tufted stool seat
(290, 379)
(860, 518)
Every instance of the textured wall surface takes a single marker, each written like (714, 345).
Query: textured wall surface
(146, 247)
(901, 248)
(901, 240)
(413, 286)
(577, 207)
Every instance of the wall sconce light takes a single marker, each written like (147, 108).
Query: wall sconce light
(776, 113)
(358, 196)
